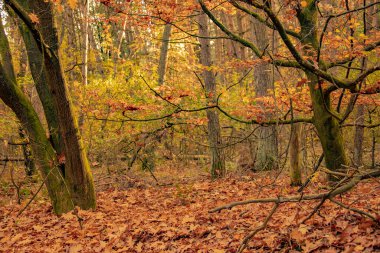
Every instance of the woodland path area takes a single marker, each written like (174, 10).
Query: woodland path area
(175, 218)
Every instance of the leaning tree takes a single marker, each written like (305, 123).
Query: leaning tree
(62, 161)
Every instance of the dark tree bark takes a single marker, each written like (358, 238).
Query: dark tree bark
(295, 156)
(77, 170)
(46, 158)
(38, 71)
(326, 124)
(218, 168)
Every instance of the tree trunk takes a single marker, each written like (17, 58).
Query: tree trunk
(14, 98)
(42, 149)
(327, 127)
(295, 156)
(326, 124)
(30, 166)
(218, 168)
(85, 43)
(359, 130)
(358, 139)
(77, 170)
(241, 27)
(38, 72)
(267, 151)
(164, 54)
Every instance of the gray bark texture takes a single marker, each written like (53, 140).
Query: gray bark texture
(164, 54)
(267, 151)
(218, 168)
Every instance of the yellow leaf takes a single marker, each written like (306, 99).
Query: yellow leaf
(303, 4)
(72, 3)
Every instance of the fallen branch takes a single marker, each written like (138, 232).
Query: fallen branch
(301, 197)
(12, 159)
(323, 200)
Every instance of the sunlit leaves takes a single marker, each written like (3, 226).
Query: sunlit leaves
(34, 18)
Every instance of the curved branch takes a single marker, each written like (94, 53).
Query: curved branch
(346, 83)
(244, 42)
(297, 198)
(262, 20)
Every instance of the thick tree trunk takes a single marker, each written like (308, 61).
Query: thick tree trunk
(327, 127)
(267, 151)
(326, 124)
(43, 151)
(295, 156)
(218, 168)
(77, 170)
(38, 72)
(164, 54)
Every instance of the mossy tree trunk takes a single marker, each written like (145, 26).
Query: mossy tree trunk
(77, 170)
(326, 123)
(38, 71)
(46, 160)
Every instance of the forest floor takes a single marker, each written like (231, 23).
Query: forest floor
(142, 217)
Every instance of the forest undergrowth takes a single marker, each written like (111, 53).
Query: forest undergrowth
(135, 215)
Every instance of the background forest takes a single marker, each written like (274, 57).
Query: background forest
(155, 112)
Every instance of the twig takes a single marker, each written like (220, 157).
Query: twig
(34, 196)
(354, 210)
(312, 174)
(323, 200)
(245, 241)
(18, 187)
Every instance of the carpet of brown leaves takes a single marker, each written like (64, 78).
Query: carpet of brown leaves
(175, 219)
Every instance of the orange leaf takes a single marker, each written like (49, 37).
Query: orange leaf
(33, 17)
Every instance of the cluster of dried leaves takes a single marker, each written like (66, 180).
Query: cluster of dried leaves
(176, 219)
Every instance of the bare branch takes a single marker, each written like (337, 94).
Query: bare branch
(245, 241)
(244, 42)
(301, 197)
(361, 212)
(261, 19)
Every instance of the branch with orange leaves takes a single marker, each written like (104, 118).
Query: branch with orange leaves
(300, 62)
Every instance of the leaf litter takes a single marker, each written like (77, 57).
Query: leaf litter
(175, 219)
